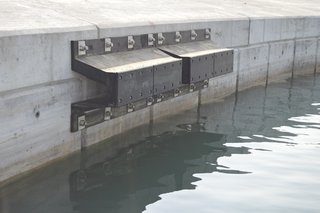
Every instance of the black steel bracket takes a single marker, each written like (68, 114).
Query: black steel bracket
(141, 70)
(94, 111)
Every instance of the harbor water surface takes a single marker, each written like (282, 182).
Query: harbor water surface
(255, 151)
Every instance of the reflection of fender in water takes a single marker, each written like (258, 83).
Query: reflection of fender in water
(145, 170)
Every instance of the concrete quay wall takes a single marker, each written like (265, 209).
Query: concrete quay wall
(37, 85)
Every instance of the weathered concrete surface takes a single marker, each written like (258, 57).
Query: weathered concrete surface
(116, 126)
(29, 60)
(34, 127)
(173, 106)
(318, 57)
(271, 38)
(305, 56)
(281, 59)
(31, 18)
(253, 65)
(35, 16)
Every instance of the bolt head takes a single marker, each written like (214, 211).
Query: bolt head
(82, 123)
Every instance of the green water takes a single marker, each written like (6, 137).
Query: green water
(256, 151)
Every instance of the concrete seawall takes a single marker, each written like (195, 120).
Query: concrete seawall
(37, 85)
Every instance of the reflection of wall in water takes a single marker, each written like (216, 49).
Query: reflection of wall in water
(47, 187)
(137, 176)
(258, 110)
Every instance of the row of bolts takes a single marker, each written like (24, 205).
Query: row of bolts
(151, 39)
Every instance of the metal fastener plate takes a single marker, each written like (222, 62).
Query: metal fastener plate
(81, 122)
(176, 92)
(131, 42)
(161, 38)
(192, 87)
(150, 101)
(207, 33)
(130, 107)
(82, 48)
(178, 37)
(108, 45)
(193, 35)
(159, 98)
(107, 113)
(151, 40)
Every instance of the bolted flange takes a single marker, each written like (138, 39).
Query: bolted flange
(130, 107)
(108, 45)
(192, 87)
(207, 34)
(151, 40)
(81, 122)
(178, 37)
(161, 38)
(193, 35)
(131, 42)
(160, 98)
(176, 92)
(82, 48)
(150, 101)
(205, 83)
(107, 113)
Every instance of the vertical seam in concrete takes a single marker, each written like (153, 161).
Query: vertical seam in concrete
(317, 51)
(238, 70)
(199, 106)
(249, 30)
(268, 64)
(51, 63)
(231, 39)
(83, 138)
(152, 108)
(281, 24)
(98, 31)
(76, 17)
(304, 27)
(151, 121)
(294, 57)
(84, 85)
(264, 30)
